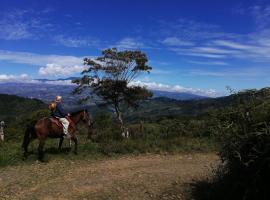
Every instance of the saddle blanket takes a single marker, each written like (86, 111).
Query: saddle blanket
(58, 123)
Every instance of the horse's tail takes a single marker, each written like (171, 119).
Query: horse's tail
(28, 134)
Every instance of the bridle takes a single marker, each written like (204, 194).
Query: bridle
(85, 118)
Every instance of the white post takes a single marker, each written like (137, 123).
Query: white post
(2, 136)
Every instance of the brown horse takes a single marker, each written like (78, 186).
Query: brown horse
(45, 128)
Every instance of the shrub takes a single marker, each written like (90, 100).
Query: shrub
(245, 152)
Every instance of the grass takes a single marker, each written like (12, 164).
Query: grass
(12, 154)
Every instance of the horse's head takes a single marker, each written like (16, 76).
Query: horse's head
(86, 118)
(83, 116)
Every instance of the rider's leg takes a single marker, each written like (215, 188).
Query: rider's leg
(65, 123)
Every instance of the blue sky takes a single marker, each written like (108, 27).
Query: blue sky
(196, 46)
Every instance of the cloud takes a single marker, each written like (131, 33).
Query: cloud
(197, 53)
(234, 72)
(22, 24)
(12, 78)
(232, 44)
(129, 43)
(76, 41)
(50, 65)
(212, 42)
(176, 88)
(192, 31)
(12, 26)
(261, 15)
(174, 41)
(208, 62)
(39, 59)
(59, 70)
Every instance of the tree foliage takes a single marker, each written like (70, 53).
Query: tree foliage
(110, 78)
(245, 136)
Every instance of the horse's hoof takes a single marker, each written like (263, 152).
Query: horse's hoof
(41, 161)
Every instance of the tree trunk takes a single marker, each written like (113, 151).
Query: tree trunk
(124, 130)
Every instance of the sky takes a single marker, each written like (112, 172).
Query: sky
(193, 46)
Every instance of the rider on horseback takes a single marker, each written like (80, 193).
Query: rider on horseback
(60, 114)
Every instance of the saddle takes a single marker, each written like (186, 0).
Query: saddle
(59, 124)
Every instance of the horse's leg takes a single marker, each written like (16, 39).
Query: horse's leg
(60, 143)
(40, 149)
(28, 136)
(70, 143)
(26, 144)
(75, 140)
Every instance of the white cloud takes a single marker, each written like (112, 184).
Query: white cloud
(232, 44)
(76, 41)
(174, 41)
(59, 70)
(129, 43)
(11, 78)
(50, 65)
(39, 59)
(22, 24)
(210, 41)
(208, 62)
(261, 15)
(193, 53)
(12, 27)
(234, 72)
(177, 88)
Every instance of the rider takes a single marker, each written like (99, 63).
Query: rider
(61, 115)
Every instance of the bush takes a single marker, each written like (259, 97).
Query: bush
(245, 152)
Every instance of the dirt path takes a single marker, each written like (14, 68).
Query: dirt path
(140, 177)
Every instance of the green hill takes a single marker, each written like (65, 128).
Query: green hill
(13, 107)
(163, 107)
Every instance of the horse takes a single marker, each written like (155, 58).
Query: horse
(46, 128)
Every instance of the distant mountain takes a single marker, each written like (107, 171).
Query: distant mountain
(177, 95)
(54, 80)
(42, 91)
(46, 92)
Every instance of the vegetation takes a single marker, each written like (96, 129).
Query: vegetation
(240, 131)
(13, 107)
(244, 134)
(109, 77)
(145, 137)
(159, 136)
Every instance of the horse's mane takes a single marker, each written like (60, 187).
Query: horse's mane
(77, 112)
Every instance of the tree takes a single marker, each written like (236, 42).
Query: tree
(110, 78)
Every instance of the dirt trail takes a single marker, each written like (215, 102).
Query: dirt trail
(137, 177)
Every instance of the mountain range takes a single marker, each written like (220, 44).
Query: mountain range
(46, 90)
(157, 108)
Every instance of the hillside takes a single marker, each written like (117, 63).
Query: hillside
(13, 107)
(154, 109)
(164, 107)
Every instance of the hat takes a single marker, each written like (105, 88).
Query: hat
(58, 98)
